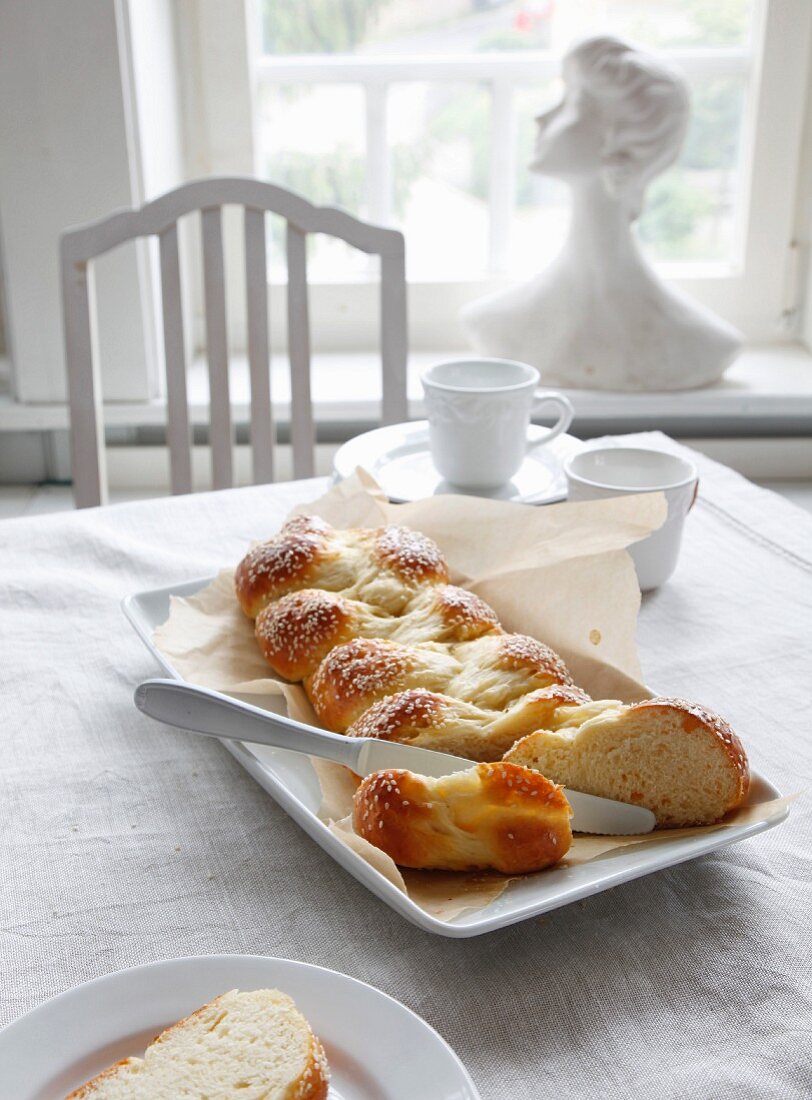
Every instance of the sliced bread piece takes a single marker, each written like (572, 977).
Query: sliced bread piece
(491, 816)
(677, 759)
(241, 1046)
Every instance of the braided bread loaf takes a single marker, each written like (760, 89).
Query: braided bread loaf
(358, 615)
(385, 647)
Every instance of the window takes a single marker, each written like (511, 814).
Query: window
(420, 115)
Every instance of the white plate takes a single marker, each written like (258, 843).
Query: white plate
(289, 777)
(399, 459)
(61, 1044)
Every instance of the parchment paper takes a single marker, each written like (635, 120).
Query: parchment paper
(558, 573)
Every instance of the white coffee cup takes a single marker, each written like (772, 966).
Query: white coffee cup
(479, 414)
(615, 471)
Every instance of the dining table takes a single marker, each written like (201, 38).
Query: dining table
(124, 842)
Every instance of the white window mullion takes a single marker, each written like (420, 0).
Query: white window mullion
(502, 174)
(377, 152)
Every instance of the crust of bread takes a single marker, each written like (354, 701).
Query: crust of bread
(95, 1085)
(297, 632)
(355, 676)
(282, 564)
(383, 566)
(410, 555)
(143, 1083)
(493, 816)
(678, 759)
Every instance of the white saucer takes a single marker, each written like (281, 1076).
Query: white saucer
(399, 459)
(69, 1039)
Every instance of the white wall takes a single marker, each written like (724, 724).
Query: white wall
(66, 131)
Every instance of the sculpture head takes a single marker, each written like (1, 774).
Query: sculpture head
(622, 119)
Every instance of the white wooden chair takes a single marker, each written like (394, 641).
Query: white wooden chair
(81, 245)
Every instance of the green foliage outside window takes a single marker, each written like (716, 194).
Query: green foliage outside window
(316, 26)
(674, 210)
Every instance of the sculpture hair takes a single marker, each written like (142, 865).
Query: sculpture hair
(647, 106)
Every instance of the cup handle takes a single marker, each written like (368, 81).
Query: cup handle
(548, 397)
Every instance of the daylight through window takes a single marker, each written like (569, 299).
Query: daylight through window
(420, 115)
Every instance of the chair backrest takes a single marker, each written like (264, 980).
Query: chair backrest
(81, 245)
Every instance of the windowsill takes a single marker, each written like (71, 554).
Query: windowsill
(768, 391)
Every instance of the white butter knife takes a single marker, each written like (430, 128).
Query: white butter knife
(199, 710)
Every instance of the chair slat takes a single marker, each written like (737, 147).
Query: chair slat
(256, 291)
(302, 434)
(88, 466)
(220, 429)
(178, 432)
(394, 338)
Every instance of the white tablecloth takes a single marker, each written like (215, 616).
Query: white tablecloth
(123, 843)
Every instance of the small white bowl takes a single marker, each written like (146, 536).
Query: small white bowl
(616, 471)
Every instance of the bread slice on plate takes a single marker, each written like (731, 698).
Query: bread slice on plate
(240, 1046)
(678, 759)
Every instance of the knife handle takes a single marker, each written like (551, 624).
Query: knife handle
(199, 710)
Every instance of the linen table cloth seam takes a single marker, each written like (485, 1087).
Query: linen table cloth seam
(756, 536)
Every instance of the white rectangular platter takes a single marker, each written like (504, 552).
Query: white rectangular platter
(290, 779)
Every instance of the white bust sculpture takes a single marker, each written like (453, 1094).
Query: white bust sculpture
(599, 317)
